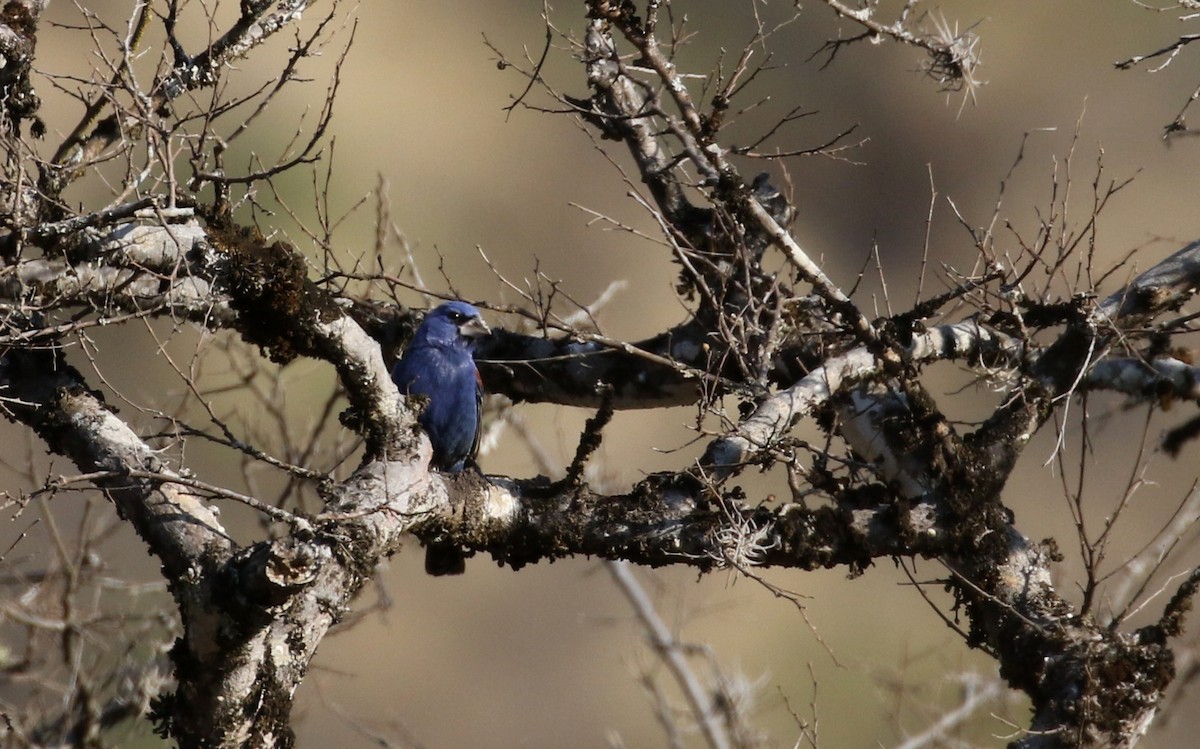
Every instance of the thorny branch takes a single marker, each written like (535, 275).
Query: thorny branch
(1165, 56)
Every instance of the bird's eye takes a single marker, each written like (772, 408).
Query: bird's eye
(457, 317)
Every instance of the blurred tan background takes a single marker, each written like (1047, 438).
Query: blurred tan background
(551, 656)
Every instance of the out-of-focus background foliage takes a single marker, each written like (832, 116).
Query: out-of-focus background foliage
(551, 656)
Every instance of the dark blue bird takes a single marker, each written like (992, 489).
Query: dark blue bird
(439, 364)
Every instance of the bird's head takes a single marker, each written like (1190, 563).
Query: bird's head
(453, 322)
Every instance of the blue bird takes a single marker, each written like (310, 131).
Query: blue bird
(439, 364)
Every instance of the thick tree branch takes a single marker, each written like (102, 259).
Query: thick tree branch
(39, 389)
(1166, 286)
(677, 519)
(777, 415)
(1164, 378)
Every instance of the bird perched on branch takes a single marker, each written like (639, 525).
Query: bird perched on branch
(439, 364)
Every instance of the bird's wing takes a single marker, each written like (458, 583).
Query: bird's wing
(421, 368)
(478, 415)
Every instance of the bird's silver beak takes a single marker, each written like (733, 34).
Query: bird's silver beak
(474, 327)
